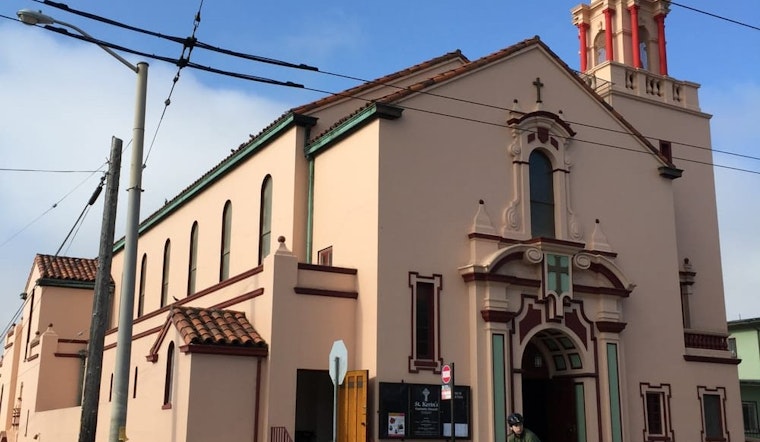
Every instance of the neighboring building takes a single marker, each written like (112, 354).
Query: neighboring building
(553, 235)
(744, 343)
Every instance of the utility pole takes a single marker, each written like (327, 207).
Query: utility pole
(100, 304)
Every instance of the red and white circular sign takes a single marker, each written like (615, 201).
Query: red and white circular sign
(446, 374)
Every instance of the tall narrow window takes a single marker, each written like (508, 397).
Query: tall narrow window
(425, 328)
(141, 288)
(424, 320)
(224, 266)
(168, 380)
(643, 47)
(666, 149)
(165, 273)
(656, 401)
(265, 219)
(192, 267)
(541, 196)
(713, 413)
(134, 386)
(749, 412)
(600, 48)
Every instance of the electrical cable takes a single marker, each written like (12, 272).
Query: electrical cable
(720, 17)
(371, 82)
(186, 47)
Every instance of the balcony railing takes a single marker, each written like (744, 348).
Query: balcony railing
(279, 434)
(705, 341)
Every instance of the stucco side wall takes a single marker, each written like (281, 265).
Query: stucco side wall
(222, 389)
(242, 187)
(54, 425)
(695, 201)
(60, 374)
(304, 328)
(69, 310)
(332, 113)
(346, 218)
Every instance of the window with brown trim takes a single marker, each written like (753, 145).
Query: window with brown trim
(134, 385)
(168, 380)
(165, 273)
(265, 219)
(425, 327)
(224, 265)
(141, 287)
(192, 261)
(324, 256)
(656, 402)
(666, 149)
(713, 404)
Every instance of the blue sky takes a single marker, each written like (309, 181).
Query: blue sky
(63, 99)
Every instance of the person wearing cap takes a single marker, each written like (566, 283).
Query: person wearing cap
(519, 432)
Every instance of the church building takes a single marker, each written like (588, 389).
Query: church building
(457, 241)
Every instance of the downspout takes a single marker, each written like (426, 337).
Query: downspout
(309, 199)
(257, 400)
(83, 366)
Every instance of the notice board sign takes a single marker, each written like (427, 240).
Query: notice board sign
(416, 411)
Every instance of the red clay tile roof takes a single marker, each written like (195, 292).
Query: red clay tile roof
(66, 268)
(379, 82)
(215, 327)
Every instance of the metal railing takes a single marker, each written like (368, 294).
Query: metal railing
(279, 434)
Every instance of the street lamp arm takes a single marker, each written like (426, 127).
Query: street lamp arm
(30, 17)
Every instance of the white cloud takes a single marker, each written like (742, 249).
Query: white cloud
(60, 103)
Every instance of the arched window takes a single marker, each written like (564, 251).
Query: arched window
(168, 380)
(600, 48)
(224, 266)
(165, 273)
(265, 218)
(192, 267)
(141, 292)
(643, 47)
(541, 196)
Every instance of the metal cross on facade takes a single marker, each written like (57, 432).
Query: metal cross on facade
(557, 273)
(538, 86)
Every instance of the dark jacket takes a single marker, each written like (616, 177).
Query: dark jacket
(526, 436)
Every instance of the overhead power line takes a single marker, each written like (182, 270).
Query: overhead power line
(720, 17)
(189, 41)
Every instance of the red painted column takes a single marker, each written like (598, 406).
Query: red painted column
(660, 20)
(583, 37)
(608, 33)
(634, 10)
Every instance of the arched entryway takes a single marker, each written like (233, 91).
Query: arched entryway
(552, 388)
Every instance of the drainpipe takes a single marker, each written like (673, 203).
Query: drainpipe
(309, 197)
(310, 211)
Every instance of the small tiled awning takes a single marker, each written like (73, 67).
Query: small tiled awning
(212, 331)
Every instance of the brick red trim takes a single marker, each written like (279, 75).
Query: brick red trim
(329, 269)
(712, 359)
(610, 326)
(224, 350)
(68, 355)
(323, 292)
(497, 316)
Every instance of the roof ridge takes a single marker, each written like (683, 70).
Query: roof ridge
(379, 81)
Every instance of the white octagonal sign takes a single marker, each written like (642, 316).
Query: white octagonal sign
(338, 362)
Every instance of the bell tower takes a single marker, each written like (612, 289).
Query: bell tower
(631, 32)
(623, 51)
